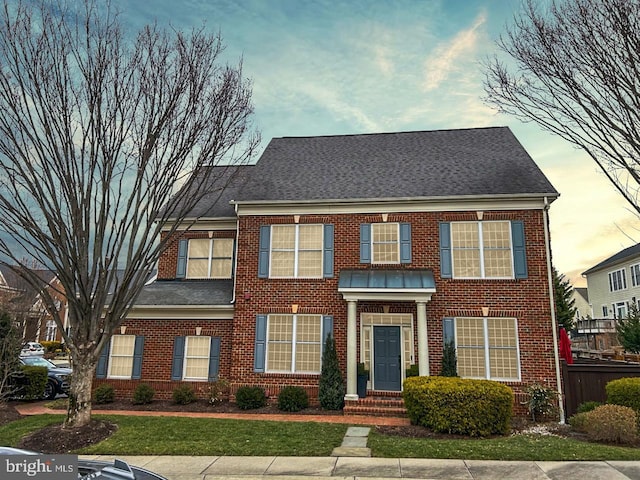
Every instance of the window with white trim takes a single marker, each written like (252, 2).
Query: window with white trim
(210, 258)
(482, 249)
(635, 274)
(487, 348)
(619, 309)
(196, 358)
(385, 243)
(294, 343)
(121, 356)
(50, 334)
(617, 280)
(296, 251)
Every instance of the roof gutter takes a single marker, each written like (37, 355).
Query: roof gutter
(552, 306)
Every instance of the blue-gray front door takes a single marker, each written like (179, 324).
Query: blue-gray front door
(386, 358)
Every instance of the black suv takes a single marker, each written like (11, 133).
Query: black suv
(58, 381)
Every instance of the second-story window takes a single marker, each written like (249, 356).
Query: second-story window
(385, 243)
(617, 280)
(481, 250)
(296, 251)
(210, 258)
(635, 275)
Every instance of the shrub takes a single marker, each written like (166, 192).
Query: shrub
(449, 361)
(585, 407)
(35, 380)
(579, 421)
(105, 393)
(143, 394)
(612, 423)
(541, 400)
(51, 347)
(331, 387)
(218, 391)
(184, 395)
(293, 399)
(625, 392)
(454, 405)
(412, 371)
(249, 398)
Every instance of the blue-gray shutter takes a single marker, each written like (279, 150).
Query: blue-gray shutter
(181, 271)
(519, 251)
(327, 329)
(103, 360)
(446, 270)
(263, 255)
(448, 332)
(405, 243)
(327, 261)
(365, 243)
(178, 358)
(260, 350)
(214, 359)
(138, 348)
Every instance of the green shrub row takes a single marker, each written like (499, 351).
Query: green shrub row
(462, 406)
(35, 379)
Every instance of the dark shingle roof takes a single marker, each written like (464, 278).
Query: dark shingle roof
(633, 251)
(441, 163)
(192, 292)
(15, 281)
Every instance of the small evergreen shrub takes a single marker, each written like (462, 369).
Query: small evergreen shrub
(412, 371)
(449, 361)
(105, 393)
(184, 395)
(454, 405)
(541, 400)
(585, 407)
(35, 381)
(331, 388)
(612, 423)
(250, 398)
(579, 421)
(625, 392)
(293, 399)
(218, 391)
(143, 394)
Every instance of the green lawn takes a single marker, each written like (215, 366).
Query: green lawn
(200, 436)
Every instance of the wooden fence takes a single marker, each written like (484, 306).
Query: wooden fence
(586, 381)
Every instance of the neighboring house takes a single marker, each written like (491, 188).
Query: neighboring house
(613, 285)
(25, 304)
(393, 243)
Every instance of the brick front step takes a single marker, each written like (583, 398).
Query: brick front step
(385, 405)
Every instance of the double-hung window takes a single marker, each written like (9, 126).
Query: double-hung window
(481, 250)
(296, 251)
(121, 357)
(617, 280)
(195, 358)
(385, 242)
(619, 310)
(635, 275)
(487, 348)
(294, 343)
(210, 258)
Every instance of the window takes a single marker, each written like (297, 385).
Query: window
(481, 250)
(619, 310)
(196, 358)
(294, 343)
(121, 356)
(296, 251)
(605, 311)
(385, 245)
(210, 258)
(50, 334)
(617, 280)
(487, 348)
(635, 275)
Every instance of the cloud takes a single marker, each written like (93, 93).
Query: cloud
(446, 57)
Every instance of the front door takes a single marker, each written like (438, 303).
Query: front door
(386, 358)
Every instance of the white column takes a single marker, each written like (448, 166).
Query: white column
(423, 341)
(352, 352)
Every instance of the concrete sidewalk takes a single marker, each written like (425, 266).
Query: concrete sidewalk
(325, 468)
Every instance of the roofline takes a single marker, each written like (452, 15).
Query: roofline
(606, 263)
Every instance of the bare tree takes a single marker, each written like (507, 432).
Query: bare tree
(104, 140)
(573, 67)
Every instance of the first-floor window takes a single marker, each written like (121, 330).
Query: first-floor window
(487, 348)
(619, 309)
(50, 334)
(121, 356)
(196, 358)
(294, 343)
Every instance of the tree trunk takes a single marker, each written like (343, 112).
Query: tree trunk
(79, 409)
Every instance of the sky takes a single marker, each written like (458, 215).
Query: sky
(333, 67)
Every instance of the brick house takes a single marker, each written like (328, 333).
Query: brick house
(392, 242)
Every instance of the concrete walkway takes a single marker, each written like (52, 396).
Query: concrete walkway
(344, 464)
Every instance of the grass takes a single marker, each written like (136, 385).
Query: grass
(200, 436)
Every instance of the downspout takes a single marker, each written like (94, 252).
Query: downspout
(552, 304)
(235, 262)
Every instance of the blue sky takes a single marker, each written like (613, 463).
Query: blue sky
(353, 66)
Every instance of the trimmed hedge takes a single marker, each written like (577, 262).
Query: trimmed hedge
(625, 392)
(250, 398)
(35, 380)
(292, 399)
(105, 393)
(477, 408)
